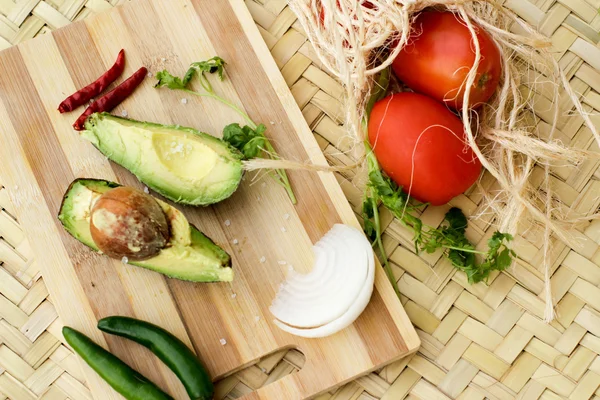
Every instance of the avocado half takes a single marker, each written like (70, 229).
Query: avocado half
(189, 255)
(184, 165)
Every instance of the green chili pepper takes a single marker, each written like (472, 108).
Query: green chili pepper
(172, 351)
(124, 379)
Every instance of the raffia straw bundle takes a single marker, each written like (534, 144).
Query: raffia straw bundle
(352, 39)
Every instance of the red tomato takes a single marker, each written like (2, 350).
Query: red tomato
(440, 54)
(410, 129)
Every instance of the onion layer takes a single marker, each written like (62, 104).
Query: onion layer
(334, 293)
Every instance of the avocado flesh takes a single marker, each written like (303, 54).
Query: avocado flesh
(190, 255)
(182, 164)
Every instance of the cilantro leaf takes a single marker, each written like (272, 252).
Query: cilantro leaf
(212, 65)
(456, 219)
(235, 135)
(367, 213)
(172, 82)
(498, 257)
(247, 140)
(165, 78)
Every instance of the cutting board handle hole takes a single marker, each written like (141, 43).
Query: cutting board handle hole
(273, 367)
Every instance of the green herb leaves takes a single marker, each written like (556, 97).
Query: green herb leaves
(212, 65)
(368, 214)
(382, 188)
(462, 253)
(170, 81)
(499, 257)
(450, 237)
(247, 140)
(215, 64)
(456, 220)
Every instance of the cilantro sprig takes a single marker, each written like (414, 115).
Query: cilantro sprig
(249, 139)
(450, 237)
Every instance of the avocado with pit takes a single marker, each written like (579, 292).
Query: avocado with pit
(189, 254)
(184, 165)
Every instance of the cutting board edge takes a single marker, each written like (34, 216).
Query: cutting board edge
(291, 386)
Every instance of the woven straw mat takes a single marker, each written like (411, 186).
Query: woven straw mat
(481, 341)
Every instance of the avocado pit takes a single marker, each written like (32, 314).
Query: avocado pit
(126, 222)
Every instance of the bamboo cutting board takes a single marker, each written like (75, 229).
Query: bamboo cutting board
(41, 154)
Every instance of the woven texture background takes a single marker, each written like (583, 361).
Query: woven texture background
(481, 341)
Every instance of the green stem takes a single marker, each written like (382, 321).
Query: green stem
(463, 249)
(386, 264)
(281, 174)
(229, 104)
(407, 219)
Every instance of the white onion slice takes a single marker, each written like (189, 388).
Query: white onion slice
(337, 290)
(298, 289)
(334, 293)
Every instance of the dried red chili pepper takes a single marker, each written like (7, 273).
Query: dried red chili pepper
(113, 98)
(85, 94)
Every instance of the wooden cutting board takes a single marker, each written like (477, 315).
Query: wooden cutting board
(40, 155)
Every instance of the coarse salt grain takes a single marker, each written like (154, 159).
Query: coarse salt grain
(281, 262)
(272, 122)
(257, 198)
(223, 342)
(227, 222)
(124, 260)
(263, 259)
(283, 229)
(149, 74)
(233, 295)
(146, 190)
(163, 59)
(257, 318)
(184, 101)
(235, 241)
(178, 149)
(124, 113)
